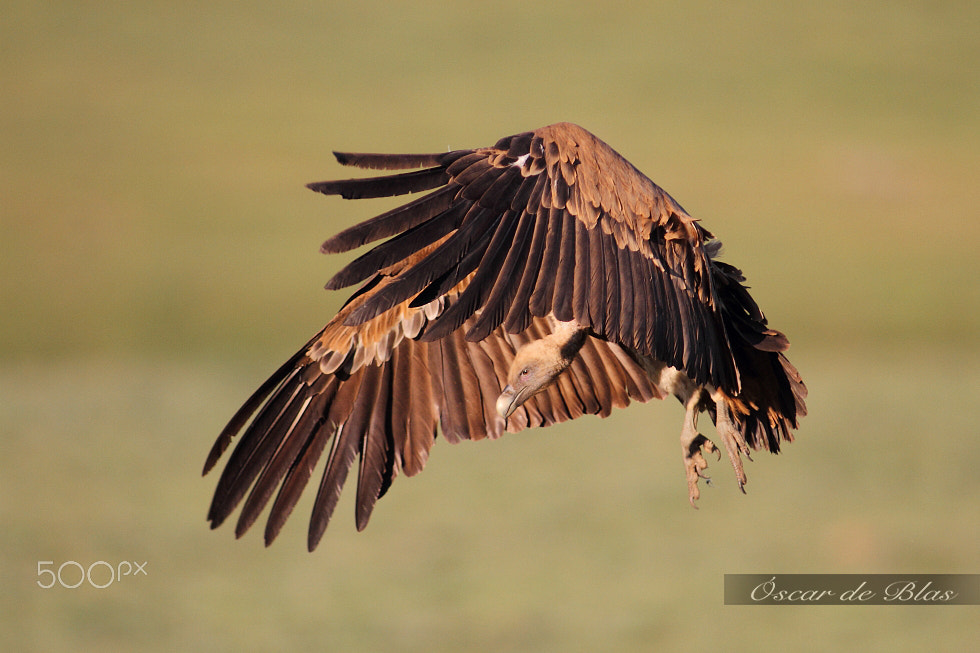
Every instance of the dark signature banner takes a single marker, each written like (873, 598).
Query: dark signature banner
(852, 589)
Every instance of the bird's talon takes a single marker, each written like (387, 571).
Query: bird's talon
(695, 464)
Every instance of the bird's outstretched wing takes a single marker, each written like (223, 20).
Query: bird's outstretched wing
(378, 392)
(552, 221)
(550, 224)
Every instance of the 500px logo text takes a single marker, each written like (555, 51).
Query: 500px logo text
(100, 574)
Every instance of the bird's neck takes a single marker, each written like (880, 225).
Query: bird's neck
(564, 341)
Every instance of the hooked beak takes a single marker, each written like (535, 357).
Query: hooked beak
(508, 401)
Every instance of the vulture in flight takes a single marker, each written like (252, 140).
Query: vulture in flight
(535, 281)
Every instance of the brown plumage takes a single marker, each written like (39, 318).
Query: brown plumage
(541, 279)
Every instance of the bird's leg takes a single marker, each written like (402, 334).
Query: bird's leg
(732, 437)
(692, 444)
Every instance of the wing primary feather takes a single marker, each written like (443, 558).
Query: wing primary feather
(565, 269)
(541, 408)
(524, 197)
(474, 188)
(582, 288)
(689, 330)
(630, 303)
(400, 410)
(299, 474)
(479, 287)
(422, 410)
(266, 442)
(339, 460)
(667, 336)
(567, 402)
(451, 278)
(293, 442)
(442, 259)
(457, 167)
(504, 286)
(488, 385)
(534, 203)
(603, 305)
(527, 204)
(397, 161)
(552, 405)
(392, 222)
(452, 402)
(253, 403)
(351, 411)
(584, 391)
(398, 248)
(499, 195)
(519, 314)
(646, 311)
(542, 297)
(377, 462)
(615, 391)
(252, 451)
(608, 284)
(473, 405)
(469, 175)
(386, 186)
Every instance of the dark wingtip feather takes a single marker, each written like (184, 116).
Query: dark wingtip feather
(215, 454)
(362, 517)
(773, 341)
(248, 409)
(385, 186)
(392, 161)
(391, 223)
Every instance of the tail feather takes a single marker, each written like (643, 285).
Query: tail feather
(772, 398)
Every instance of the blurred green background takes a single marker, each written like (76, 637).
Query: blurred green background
(158, 258)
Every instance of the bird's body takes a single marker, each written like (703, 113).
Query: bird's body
(542, 279)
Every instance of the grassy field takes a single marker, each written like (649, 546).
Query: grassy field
(158, 259)
(570, 538)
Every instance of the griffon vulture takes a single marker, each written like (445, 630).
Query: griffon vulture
(541, 279)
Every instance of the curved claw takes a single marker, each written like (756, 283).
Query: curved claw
(695, 464)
